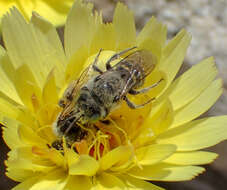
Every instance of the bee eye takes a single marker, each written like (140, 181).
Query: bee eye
(116, 98)
(61, 103)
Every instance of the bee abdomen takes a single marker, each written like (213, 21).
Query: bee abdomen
(131, 72)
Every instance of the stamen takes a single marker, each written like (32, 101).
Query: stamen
(105, 149)
(96, 144)
(71, 125)
(87, 129)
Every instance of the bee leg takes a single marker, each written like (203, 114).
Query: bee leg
(71, 125)
(57, 144)
(134, 106)
(116, 56)
(94, 66)
(106, 121)
(144, 90)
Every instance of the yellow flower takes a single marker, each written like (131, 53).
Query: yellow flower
(53, 10)
(159, 142)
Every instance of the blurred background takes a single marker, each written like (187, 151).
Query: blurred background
(206, 20)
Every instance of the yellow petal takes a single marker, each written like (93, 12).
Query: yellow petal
(153, 29)
(166, 172)
(14, 172)
(196, 134)
(50, 32)
(45, 156)
(192, 83)
(173, 55)
(26, 44)
(47, 114)
(9, 110)
(24, 159)
(71, 156)
(161, 116)
(152, 37)
(6, 5)
(124, 26)
(7, 65)
(55, 156)
(54, 11)
(15, 112)
(55, 180)
(21, 170)
(79, 27)
(137, 184)
(26, 11)
(58, 60)
(150, 44)
(20, 43)
(10, 134)
(27, 88)
(84, 165)
(199, 105)
(109, 182)
(50, 95)
(6, 84)
(20, 175)
(191, 158)
(76, 64)
(79, 182)
(26, 184)
(116, 157)
(28, 136)
(104, 38)
(153, 154)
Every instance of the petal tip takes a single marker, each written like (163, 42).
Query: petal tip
(199, 171)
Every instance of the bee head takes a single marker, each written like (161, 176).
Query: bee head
(62, 124)
(69, 127)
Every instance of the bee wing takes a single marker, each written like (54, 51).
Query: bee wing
(84, 77)
(71, 92)
(74, 87)
(143, 59)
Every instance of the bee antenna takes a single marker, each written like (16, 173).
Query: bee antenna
(71, 125)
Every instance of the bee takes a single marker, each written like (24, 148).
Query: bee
(91, 99)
